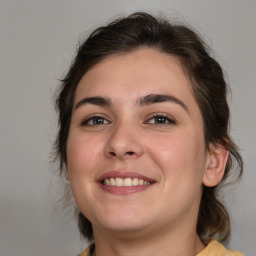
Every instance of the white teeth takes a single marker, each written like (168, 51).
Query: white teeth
(112, 181)
(107, 182)
(127, 182)
(119, 182)
(135, 182)
(141, 182)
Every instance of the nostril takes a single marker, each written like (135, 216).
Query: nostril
(121, 155)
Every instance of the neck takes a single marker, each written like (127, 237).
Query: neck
(161, 244)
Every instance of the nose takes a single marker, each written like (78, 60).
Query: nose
(124, 143)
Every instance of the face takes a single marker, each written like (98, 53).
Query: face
(136, 152)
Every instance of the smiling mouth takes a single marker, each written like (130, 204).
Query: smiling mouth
(125, 182)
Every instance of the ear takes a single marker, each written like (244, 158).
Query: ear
(215, 165)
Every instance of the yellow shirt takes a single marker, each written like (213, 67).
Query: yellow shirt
(214, 248)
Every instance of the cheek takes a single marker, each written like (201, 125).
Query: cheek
(82, 159)
(82, 153)
(170, 150)
(179, 156)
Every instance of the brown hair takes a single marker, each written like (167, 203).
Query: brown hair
(209, 89)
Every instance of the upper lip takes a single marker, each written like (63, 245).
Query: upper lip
(123, 174)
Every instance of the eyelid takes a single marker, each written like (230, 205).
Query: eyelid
(171, 119)
(92, 116)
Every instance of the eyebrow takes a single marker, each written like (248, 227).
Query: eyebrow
(99, 101)
(143, 101)
(159, 98)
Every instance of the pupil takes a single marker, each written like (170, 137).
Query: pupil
(98, 121)
(160, 120)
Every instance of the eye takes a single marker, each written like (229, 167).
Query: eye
(160, 119)
(95, 120)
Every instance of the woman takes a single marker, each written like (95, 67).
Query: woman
(144, 140)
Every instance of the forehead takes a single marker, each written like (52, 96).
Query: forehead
(134, 74)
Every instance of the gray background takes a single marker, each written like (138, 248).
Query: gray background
(37, 42)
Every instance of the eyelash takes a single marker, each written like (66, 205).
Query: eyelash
(94, 118)
(167, 120)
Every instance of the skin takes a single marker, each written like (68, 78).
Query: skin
(161, 219)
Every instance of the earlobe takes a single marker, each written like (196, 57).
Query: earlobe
(215, 165)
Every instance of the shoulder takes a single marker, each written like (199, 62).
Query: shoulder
(214, 248)
(87, 251)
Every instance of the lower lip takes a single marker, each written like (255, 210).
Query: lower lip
(124, 190)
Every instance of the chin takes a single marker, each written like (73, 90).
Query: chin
(124, 222)
(126, 229)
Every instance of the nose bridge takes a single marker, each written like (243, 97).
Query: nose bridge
(124, 141)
